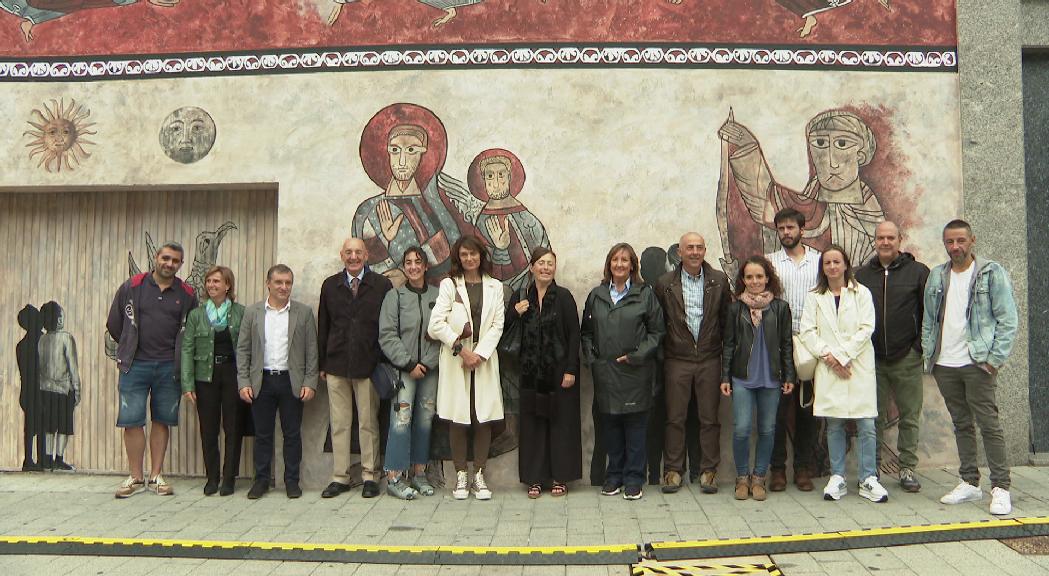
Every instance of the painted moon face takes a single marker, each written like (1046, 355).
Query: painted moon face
(187, 134)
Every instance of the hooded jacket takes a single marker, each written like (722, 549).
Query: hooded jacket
(898, 291)
(991, 316)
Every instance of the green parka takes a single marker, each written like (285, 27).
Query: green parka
(198, 344)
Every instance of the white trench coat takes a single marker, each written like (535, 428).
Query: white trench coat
(845, 332)
(449, 316)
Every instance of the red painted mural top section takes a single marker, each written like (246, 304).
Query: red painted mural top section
(106, 27)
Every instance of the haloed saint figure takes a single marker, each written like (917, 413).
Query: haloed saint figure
(59, 135)
(187, 134)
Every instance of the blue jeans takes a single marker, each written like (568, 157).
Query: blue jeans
(867, 443)
(152, 381)
(411, 418)
(744, 402)
(626, 437)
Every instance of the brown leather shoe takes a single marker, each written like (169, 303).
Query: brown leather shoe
(803, 479)
(671, 482)
(708, 482)
(742, 487)
(757, 488)
(778, 482)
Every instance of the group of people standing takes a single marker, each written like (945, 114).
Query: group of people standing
(799, 335)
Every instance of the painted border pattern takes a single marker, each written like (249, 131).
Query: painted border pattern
(552, 56)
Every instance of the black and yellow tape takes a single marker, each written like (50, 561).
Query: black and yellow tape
(850, 539)
(699, 568)
(624, 554)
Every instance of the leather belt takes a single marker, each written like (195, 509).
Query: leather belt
(268, 372)
(222, 359)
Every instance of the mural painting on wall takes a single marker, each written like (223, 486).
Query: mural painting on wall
(403, 150)
(78, 27)
(59, 135)
(49, 376)
(205, 255)
(187, 134)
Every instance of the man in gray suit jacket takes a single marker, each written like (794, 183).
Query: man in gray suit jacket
(277, 372)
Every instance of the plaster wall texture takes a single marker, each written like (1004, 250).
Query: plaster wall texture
(610, 155)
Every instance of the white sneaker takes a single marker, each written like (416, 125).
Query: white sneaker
(835, 489)
(872, 490)
(1001, 502)
(963, 492)
(462, 486)
(481, 491)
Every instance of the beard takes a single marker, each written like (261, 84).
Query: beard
(789, 242)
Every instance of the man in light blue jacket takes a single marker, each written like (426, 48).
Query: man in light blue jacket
(967, 334)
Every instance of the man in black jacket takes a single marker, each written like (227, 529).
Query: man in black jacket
(897, 282)
(348, 336)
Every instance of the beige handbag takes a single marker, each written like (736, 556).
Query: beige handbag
(804, 362)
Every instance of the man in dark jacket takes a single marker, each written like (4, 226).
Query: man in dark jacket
(146, 320)
(695, 299)
(897, 282)
(348, 337)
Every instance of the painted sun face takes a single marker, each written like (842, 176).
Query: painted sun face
(187, 134)
(58, 131)
(496, 180)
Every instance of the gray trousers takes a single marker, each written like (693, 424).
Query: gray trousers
(969, 394)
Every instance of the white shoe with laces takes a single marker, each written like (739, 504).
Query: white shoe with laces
(872, 490)
(1001, 501)
(462, 485)
(963, 492)
(836, 488)
(481, 491)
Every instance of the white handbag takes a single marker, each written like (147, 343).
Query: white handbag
(804, 362)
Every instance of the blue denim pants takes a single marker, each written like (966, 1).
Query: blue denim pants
(867, 443)
(411, 419)
(744, 402)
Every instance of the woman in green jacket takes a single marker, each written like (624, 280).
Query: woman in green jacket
(209, 376)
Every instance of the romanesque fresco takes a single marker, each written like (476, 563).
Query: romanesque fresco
(86, 27)
(205, 255)
(187, 134)
(59, 134)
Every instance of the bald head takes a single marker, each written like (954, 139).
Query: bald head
(354, 255)
(693, 250)
(887, 238)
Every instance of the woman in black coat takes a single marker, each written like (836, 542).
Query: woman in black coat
(550, 450)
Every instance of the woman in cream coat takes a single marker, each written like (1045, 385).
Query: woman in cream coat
(836, 326)
(468, 321)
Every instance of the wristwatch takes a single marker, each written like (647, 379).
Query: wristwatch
(457, 348)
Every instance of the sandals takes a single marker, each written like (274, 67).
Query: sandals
(559, 489)
(534, 491)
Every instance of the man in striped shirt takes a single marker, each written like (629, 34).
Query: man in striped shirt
(797, 266)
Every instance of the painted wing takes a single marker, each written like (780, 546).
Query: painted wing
(465, 203)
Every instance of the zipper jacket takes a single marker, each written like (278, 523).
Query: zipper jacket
(403, 319)
(679, 344)
(898, 292)
(122, 322)
(739, 342)
(990, 314)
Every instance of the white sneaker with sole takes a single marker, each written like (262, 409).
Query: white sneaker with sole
(1001, 502)
(872, 490)
(963, 492)
(462, 486)
(481, 491)
(836, 488)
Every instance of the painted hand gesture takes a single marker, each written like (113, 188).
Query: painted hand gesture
(387, 222)
(499, 232)
(735, 133)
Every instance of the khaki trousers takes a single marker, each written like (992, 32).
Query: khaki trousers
(682, 381)
(341, 396)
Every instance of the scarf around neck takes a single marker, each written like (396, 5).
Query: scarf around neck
(218, 316)
(757, 304)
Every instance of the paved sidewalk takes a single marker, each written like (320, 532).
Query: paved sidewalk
(78, 505)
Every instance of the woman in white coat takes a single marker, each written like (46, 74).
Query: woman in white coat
(836, 326)
(468, 321)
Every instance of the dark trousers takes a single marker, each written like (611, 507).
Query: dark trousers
(219, 406)
(275, 397)
(625, 439)
(657, 433)
(805, 426)
(685, 380)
